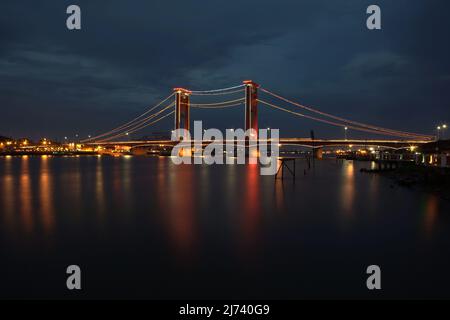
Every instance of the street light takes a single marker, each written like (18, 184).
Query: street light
(345, 130)
(444, 128)
(438, 131)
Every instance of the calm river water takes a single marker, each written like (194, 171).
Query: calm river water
(146, 228)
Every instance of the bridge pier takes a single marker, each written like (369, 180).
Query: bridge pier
(318, 153)
(386, 165)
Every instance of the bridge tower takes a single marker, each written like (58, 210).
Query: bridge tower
(251, 105)
(182, 108)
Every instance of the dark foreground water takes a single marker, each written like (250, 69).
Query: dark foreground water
(145, 228)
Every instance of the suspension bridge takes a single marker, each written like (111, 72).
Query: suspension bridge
(249, 96)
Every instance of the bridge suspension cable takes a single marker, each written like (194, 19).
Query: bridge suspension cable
(142, 125)
(131, 122)
(328, 121)
(216, 90)
(223, 104)
(219, 106)
(130, 128)
(358, 124)
(200, 93)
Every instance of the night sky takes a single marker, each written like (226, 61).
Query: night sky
(129, 54)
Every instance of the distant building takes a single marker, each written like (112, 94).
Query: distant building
(435, 153)
(6, 143)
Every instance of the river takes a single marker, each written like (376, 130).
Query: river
(145, 228)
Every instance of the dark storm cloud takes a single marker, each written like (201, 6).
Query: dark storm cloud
(130, 53)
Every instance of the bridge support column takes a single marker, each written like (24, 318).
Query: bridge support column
(251, 118)
(251, 106)
(318, 153)
(182, 118)
(182, 108)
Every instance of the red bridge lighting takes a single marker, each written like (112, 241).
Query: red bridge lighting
(182, 90)
(251, 82)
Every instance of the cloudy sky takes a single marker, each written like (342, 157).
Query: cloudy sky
(129, 54)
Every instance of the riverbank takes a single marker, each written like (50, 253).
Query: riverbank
(47, 153)
(430, 179)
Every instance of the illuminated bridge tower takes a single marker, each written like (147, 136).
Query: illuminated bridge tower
(251, 106)
(182, 106)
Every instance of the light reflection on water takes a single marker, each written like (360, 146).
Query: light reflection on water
(46, 196)
(175, 193)
(431, 213)
(26, 196)
(100, 190)
(8, 194)
(251, 209)
(192, 226)
(348, 188)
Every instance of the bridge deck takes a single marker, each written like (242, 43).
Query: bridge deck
(283, 141)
